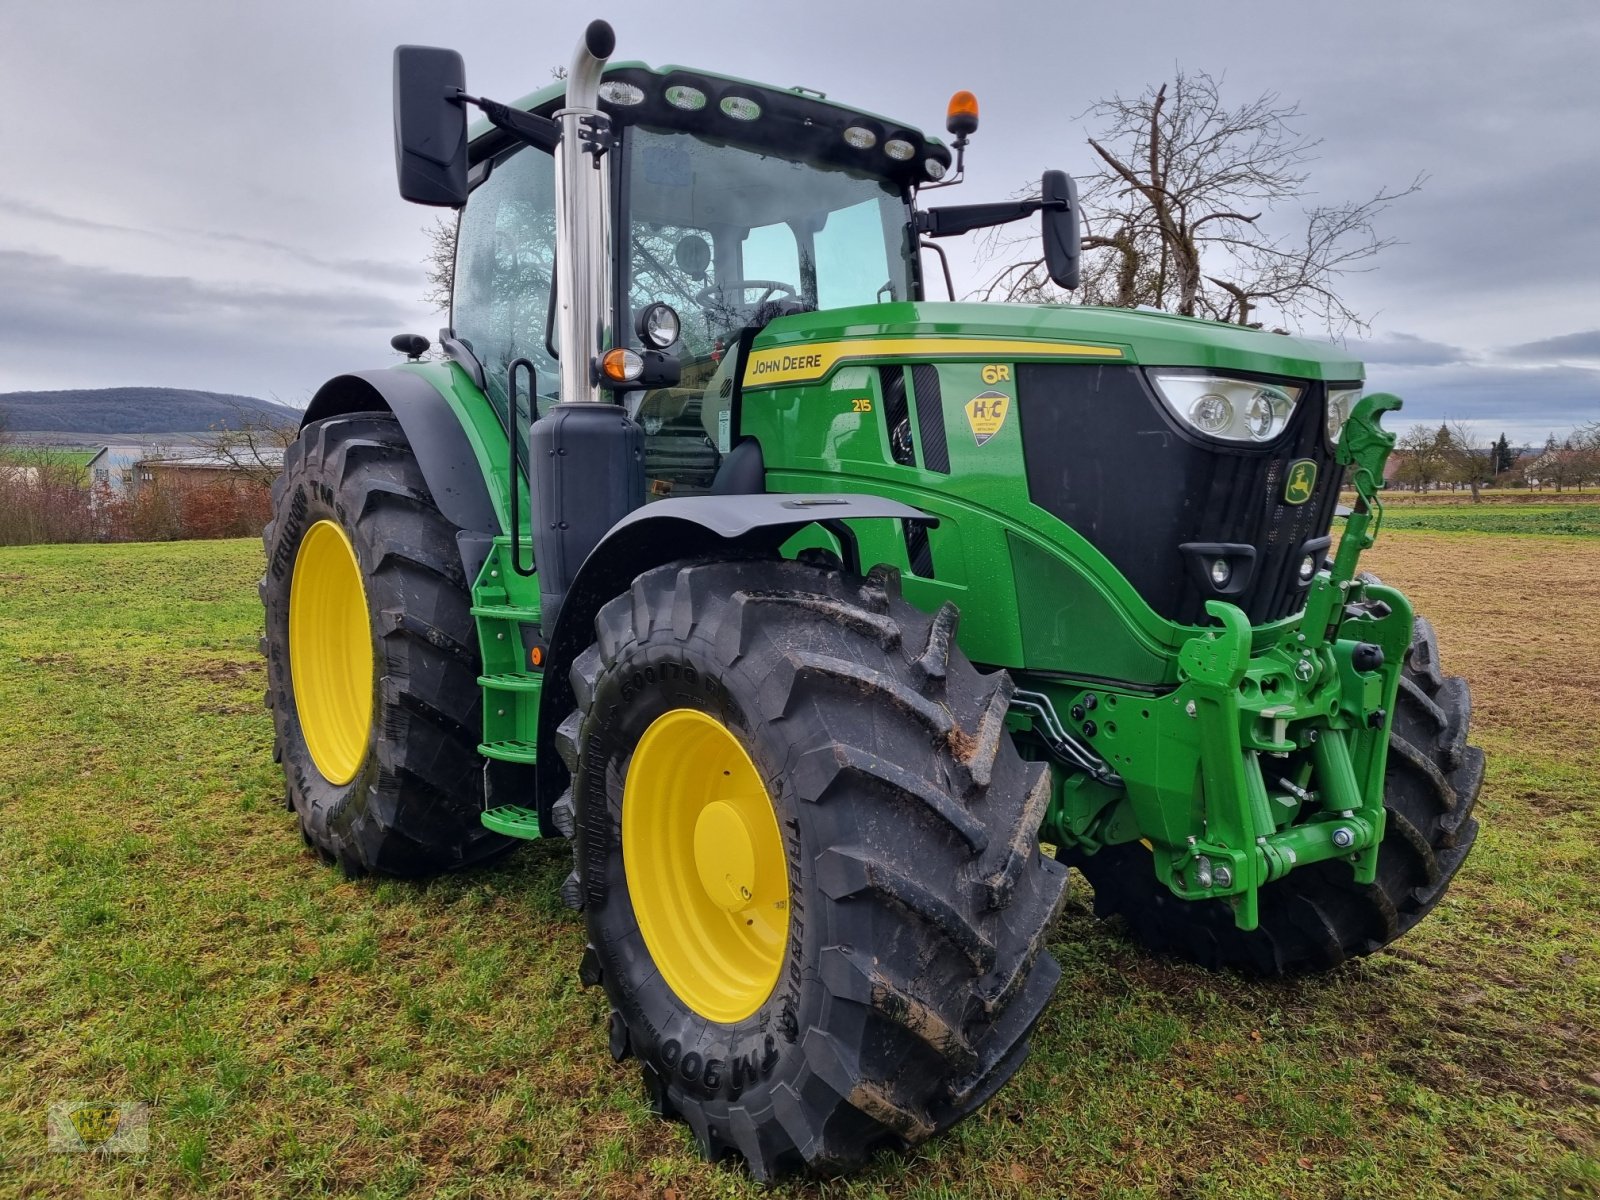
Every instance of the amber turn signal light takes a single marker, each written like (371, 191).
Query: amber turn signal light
(620, 364)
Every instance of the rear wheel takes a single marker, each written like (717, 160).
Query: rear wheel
(1317, 917)
(371, 656)
(807, 855)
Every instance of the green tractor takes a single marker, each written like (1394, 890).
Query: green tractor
(807, 607)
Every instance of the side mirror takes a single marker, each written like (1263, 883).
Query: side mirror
(430, 126)
(1058, 220)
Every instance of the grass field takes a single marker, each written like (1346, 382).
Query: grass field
(1572, 512)
(52, 456)
(1578, 520)
(164, 937)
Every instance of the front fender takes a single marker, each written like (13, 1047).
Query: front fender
(665, 531)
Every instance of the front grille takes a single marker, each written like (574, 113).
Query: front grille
(1104, 456)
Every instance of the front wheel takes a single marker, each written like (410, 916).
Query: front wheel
(807, 857)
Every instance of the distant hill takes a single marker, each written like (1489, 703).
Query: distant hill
(131, 410)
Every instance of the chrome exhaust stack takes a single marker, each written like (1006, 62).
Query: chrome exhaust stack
(585, 454)
(583, 221)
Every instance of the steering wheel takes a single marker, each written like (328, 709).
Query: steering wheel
(713, 295)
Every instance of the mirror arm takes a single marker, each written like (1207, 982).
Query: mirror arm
(531, 128)
(963, 218)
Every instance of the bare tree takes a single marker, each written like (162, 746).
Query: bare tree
(1585, 460)
(1557, 465)
(1468, 458)
(250, 443)
(1179, 214)
(440, 261)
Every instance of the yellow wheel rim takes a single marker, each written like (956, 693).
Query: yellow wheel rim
(330, 652)
(705, 865)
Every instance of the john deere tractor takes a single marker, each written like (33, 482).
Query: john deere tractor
(831, 623)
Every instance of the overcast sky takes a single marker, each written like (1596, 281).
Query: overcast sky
(201, 194)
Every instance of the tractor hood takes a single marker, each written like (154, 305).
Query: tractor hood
(1112, 334)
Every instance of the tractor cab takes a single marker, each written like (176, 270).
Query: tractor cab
(730, 237)
(730, 203)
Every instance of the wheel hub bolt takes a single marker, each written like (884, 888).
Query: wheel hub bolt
(1343, 838)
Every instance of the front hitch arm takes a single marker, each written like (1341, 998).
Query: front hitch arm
(1365, 446)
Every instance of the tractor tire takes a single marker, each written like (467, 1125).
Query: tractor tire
(1317, 916)
(904, 901)
(390, 779)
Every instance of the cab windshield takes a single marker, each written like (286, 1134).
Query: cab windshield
(732, 237)
(717, 231)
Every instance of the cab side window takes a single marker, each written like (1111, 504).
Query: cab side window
(505, 268)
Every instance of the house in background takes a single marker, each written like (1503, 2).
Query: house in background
(196, 471)
(112, 467)
(1562, 468)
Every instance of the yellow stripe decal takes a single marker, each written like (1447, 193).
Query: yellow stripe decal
(805, 363)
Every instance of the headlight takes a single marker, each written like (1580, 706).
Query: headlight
(1341, 401)
(1240, 410)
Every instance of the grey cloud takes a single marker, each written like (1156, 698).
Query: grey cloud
(1585, 345)
(395, 273)
(1406, 349)
(38, 212)
(80, 322)
(43, 286)
(1525, 402)
(374, 271)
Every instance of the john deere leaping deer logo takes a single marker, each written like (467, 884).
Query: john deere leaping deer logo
(1302, 481)
(986, 412)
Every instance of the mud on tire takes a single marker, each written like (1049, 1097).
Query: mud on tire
(412, 807)
(920, 902)
(1317, 917)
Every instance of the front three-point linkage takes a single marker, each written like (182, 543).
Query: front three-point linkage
(1293, 737)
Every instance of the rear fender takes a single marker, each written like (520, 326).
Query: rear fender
(456, 448)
